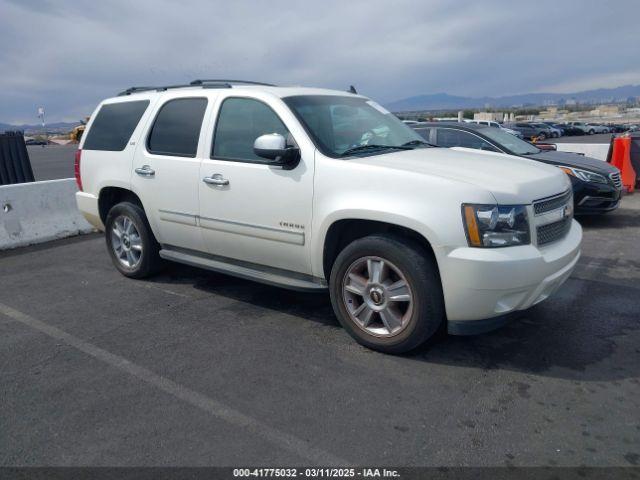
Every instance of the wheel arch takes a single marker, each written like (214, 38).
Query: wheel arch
(340, 232)
(110, 196)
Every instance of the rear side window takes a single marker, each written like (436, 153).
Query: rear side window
(114, 124)
(176, 129)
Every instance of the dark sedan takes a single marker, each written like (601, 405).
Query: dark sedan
(569, 130)
(531, 130)
(597, 187)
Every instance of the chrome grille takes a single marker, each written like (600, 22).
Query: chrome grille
(552, 203)
(615, 178)
(553, 231)
(553, 217)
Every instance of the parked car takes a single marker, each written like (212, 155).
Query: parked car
(586, 128)
(318, 190)
(569, 130)
(35, 141)
(598, 128)
(597, 186)
(617, 128)
(490, 123)
(555, 132)
(530, 130)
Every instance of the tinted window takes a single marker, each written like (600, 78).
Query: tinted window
(448, 137)
(177, 127)
(240, 122)
(114, 124)
(425, 133)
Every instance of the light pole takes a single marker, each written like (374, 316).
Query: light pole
(41, 116)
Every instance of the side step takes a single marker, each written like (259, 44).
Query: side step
(249, 271)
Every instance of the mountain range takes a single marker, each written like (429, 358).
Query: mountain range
(51, 127)
(444, 101)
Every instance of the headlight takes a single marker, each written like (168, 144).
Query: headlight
(584, 175)
(496, 226)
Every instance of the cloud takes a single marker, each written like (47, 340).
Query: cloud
(68, 55)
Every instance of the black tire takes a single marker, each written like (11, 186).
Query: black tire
(149, 261)
(592, 132)
(421, 273)
(542, 136)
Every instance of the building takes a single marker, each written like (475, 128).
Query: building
(489, 116)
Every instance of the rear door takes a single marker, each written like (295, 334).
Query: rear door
(166, 168)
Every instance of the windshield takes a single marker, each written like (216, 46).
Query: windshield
(509, 142)
(339, 124)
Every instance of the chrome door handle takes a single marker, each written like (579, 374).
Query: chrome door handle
(145, 171)
(216, 179)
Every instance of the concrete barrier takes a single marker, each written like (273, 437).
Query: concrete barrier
(38, 212)
(593, 150)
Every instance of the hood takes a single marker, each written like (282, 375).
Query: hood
(511, 180)
(574, 160)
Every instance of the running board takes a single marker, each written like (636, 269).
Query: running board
(249, 271)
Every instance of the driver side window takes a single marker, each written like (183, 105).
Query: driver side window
(240, 122)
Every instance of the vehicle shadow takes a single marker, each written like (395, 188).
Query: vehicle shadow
(619, 219)
(574, 335)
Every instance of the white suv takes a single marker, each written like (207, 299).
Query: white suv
(314, 189)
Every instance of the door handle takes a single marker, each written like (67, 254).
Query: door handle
(145, 171)
(216, 179)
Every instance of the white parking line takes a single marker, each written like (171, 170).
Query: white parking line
(272, 435)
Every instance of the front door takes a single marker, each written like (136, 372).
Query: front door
(256, 212)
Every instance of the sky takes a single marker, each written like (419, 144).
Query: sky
(69, 55)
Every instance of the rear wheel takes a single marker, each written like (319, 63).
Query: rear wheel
(130, 241)
(591, 132)
(386, 293)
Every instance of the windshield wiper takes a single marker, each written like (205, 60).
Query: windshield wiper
(362, 148)
(415, 143)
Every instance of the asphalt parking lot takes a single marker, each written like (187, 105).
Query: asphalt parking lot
(197, 368)
(597, 138)
(52, 161)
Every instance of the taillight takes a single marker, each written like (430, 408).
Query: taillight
(76, 169)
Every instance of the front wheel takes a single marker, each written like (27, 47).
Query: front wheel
(130, 241)
(386, 292)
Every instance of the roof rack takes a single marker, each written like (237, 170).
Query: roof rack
(204, 83)
(229, 82)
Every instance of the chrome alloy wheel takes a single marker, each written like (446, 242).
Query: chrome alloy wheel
(377, 296)
(126, 242)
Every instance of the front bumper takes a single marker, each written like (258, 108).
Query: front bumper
(595, 198)
(479, 283)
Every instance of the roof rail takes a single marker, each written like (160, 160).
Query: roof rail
(131, 90)
(196, 83)
(229, 82)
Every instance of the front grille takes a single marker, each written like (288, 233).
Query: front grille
(615, 178)
(552, 203)
(553, 231)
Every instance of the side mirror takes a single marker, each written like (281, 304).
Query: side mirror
(273, 146)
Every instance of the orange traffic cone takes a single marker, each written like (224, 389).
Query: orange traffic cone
(621, 158)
